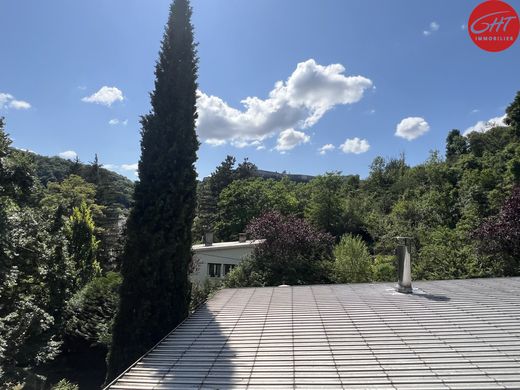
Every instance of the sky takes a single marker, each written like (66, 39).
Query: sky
(296, 85)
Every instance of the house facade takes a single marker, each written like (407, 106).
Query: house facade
(216, 260)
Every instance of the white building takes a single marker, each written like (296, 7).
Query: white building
(214, 261)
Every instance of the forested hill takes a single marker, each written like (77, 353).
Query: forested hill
(56, 169)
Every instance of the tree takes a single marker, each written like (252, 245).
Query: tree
(155, 290)
(352, 262)
(244, 200)
(500, 235)
(325, 207)
(83, 244)
(513, 114)
(456, 145)
(245, 170)
(294, 252)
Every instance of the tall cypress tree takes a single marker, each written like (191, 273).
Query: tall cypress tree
(155, 290)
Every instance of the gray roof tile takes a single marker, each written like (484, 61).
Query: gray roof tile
(457, 334)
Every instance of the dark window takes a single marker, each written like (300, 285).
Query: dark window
(228, 268)
(214, 270)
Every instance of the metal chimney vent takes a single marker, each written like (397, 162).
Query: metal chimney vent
(242, 237)
(208, 238)
(404, 265)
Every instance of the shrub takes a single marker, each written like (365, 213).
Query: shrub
(90, 312)
(65, 385)
(383, 269)
(352, 262)
(245, 275)
(294, 252)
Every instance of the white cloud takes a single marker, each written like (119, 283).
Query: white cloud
(297, 103)
(462, 26)
(116, 121)
(434, 26)
(290, 138)
(8, 101)
(130, 167)
(474, 111)
(411, 128)
(355, 145)
(106, 96)
(483, 126)
(68, 155)
(215, 142)
(326, 148)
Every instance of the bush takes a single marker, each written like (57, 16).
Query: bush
(90, 312)
(65, 385)
(383, 269)
(245, 275)
(446, 254)
(201, 292)
(293, 253)
(352, 262)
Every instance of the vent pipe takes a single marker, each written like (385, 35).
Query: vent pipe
(404, 265)
(242, 237)
(208, 238)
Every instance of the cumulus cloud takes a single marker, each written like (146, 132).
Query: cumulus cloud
(326, 148)
(68, 155)
(8, 101)
(289, 139)
(297, 103)
(105, 96)
(411, 128)
(130, 167)
(115, 121)
(483, 126)
(355, 145)
(434, 26)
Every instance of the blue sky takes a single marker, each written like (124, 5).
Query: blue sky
(350, 72)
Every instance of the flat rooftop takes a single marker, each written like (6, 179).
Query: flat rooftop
(455, 334)
(225, 245)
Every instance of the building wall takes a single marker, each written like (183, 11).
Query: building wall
(207, 258)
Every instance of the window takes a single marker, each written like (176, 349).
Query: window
(214, 270)
(228, 268)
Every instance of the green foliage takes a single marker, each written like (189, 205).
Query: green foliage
(83, 244)
(246, 274)
(325, 207)
(446, 254)
(155, 291)
(243, 200)
(90, 312)
(65, 385)
(201, 293)
(352, 261)
(384, 269)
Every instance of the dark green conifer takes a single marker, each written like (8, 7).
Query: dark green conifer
(155, 290)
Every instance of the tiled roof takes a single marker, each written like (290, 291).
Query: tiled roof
(457, 334)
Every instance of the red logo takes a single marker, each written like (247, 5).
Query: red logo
(493, 25)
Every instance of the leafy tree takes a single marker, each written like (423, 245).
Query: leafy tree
(223, 176)
(294, 252)
(500, 235)
(352, 261)
(243, 200)
(245, 170)
(513, 114)
(90, 312)
(83, 244)
(446, 254)
(155, 289)
(456, 145)
(324, 209)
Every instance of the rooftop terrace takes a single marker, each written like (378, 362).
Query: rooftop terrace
(457, 334)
